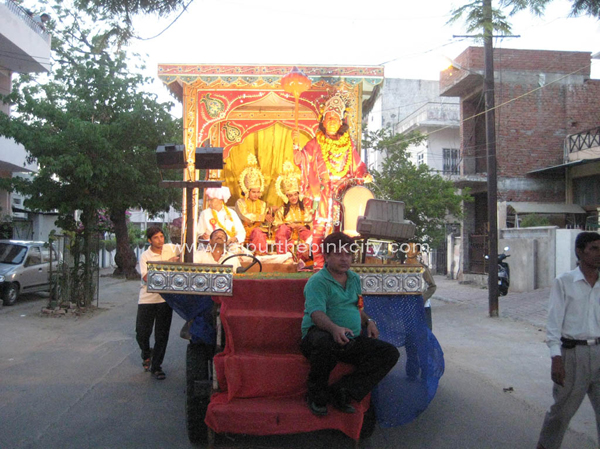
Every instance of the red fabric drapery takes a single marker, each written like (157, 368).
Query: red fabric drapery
(262, 374)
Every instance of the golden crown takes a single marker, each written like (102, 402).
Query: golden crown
(288, 181)
(336, 104)
(251, 177)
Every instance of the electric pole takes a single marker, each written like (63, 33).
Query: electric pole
(490, 137)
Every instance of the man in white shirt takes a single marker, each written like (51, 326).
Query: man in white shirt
(219, 216)
(153, 311)
(573, 336)
(216, 251)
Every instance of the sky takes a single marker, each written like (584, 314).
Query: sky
(411, 39)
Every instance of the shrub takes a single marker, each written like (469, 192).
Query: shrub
(108, 245)
(531, 221)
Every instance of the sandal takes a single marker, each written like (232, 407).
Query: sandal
(146, 364)
(159, 374)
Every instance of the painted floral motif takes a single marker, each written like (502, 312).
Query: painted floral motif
(232, 133)
(213, 106)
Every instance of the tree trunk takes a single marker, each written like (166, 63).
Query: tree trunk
(125, 257)
(89, 220)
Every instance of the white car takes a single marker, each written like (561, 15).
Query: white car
(24, 268)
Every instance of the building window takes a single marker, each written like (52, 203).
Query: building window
(450, 161)
(420, 158)
(586, 191)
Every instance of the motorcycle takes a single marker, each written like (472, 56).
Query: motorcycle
(503, 272)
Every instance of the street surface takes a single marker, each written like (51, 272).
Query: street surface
(68, 382)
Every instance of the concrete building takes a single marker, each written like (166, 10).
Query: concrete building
(142, 220)
(547, 131)
(440, 122)
(24, 48)
(404, 105)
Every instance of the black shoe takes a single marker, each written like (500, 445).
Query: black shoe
(159, 374)
(341, 401)
(317, 410)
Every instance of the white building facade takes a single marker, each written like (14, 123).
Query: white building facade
(24, 48)
(440, 123)
(405, 105)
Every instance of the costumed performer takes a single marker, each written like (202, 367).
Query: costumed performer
(218, 215)
(293, 220)
(253, 212)
(327, 162)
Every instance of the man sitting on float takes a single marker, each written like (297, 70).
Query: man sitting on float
(253, 212)
(328, 162)
(219, 216)
(294, 218)
(216, 251)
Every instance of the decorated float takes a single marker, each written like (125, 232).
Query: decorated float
(245, 372)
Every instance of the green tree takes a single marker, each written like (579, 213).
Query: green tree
(473, 15)
(428, 197)
(120, 13)
(128, 8)
(93, 132)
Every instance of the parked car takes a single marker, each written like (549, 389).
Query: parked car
(24, 268)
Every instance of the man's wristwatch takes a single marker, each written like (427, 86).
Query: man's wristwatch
(371, 320)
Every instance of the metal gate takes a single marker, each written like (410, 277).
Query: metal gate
(440, 258)
(67, 285)
(478, 248)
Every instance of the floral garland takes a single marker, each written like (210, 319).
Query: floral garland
(337, 154)
(231, 233)
(295, 215)
(253, 207)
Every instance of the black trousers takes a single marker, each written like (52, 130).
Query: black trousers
(157, 316)
(372, 358)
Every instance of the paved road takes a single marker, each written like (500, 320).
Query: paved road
(78, 382)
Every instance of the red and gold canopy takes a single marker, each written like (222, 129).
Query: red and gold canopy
(245, 109)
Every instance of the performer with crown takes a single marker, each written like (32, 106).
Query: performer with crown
(253, 212)
(294, 218)
(218, 215)
(327, 162)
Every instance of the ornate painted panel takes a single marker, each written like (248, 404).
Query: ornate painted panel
(391, 279)
(194, 279)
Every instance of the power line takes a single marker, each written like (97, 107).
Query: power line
(450, 42)
(169, 26)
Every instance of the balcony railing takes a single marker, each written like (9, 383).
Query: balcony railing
(582, 141)
(23, 14)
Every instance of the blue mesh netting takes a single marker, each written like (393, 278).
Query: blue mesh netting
(411, 385)
(198, 308)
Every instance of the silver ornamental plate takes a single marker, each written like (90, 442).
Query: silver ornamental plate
(390, 279)
(195, 279)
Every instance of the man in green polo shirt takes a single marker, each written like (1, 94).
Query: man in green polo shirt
(331, 333)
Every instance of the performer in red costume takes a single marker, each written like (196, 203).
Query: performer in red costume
(327, 162)
(293, 219)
